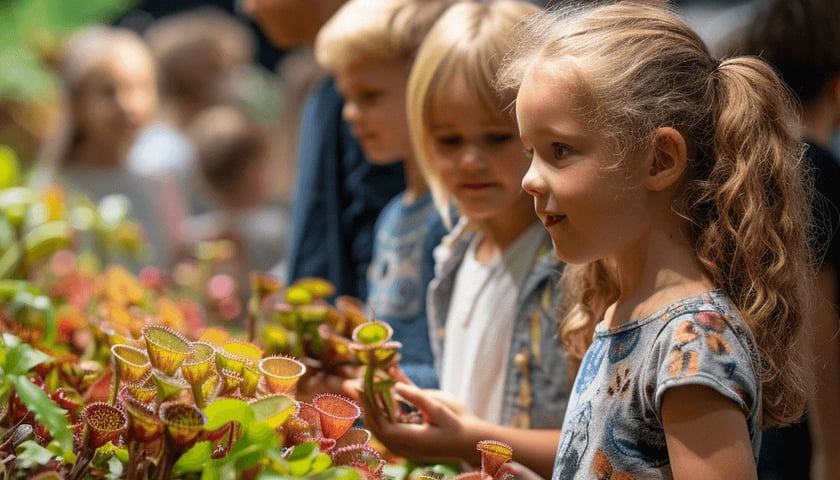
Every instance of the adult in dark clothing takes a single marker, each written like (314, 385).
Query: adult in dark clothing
(338, 194)
(800, 38)
(338, 198)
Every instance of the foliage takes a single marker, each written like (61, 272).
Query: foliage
(33, 30)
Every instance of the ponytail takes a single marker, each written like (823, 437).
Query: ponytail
(758, 180)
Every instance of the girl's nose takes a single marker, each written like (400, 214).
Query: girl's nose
(531, 182)
(472, 157)
(138, 103)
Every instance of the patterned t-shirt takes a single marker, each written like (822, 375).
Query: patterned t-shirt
(400, 270)
(613, 427)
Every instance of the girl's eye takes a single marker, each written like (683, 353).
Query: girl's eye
(560, 150)
(448, 140)
(362, 97)
(499, 137)
(368, 96)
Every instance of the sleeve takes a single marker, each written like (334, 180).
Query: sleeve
(703, 348)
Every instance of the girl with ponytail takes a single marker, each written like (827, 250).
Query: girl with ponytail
(673, 185)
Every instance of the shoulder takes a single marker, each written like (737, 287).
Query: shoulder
(391, 212)
(705, 342)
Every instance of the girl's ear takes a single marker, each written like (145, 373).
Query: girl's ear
(669, 159)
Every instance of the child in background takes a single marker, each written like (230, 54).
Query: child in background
(800, 38)
(368, 46)
(674, 182)
(198, 52)
(232, 154)
(490, 304)
(109, 93)
(338, 193)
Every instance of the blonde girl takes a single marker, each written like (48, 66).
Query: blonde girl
(490, 305)
(674, 183)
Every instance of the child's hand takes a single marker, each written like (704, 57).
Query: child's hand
(442, 436)
(398, 374)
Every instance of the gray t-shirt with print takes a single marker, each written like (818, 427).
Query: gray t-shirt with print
(613, 427)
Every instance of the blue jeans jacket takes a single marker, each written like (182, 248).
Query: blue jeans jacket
(537, 383)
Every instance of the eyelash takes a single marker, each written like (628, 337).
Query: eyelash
(559, 147)
(560, 151)
(448, 141)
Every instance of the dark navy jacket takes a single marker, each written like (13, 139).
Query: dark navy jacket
(337, 199)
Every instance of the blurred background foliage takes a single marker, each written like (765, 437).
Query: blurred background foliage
(31, 33)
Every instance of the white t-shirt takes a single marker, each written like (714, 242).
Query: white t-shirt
(480, 324)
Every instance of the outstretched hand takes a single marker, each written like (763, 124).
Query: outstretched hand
(443, 436)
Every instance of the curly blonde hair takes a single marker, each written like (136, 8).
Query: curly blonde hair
(747, 195)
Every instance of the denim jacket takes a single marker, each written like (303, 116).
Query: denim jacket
(536, 385)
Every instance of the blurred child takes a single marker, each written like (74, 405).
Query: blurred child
(800, 38)
(338, 194)
(490, 304)
(674, 183)
(368, 46)
(232, 154)
(108, 83)
(197, 52)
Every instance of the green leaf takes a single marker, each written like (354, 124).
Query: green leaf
(304, 450)
(221, 412)
(320, 463)
(69, 15)
(30, 454)
(112, 450)
(300, 467)
(224, 471)
(338, 473)
(8, 288)
(45, 410)
(194, 459)
(274, 409)
(257, 439)
(21, 358)
(9, 172)
(302, 457)
(25, 76)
